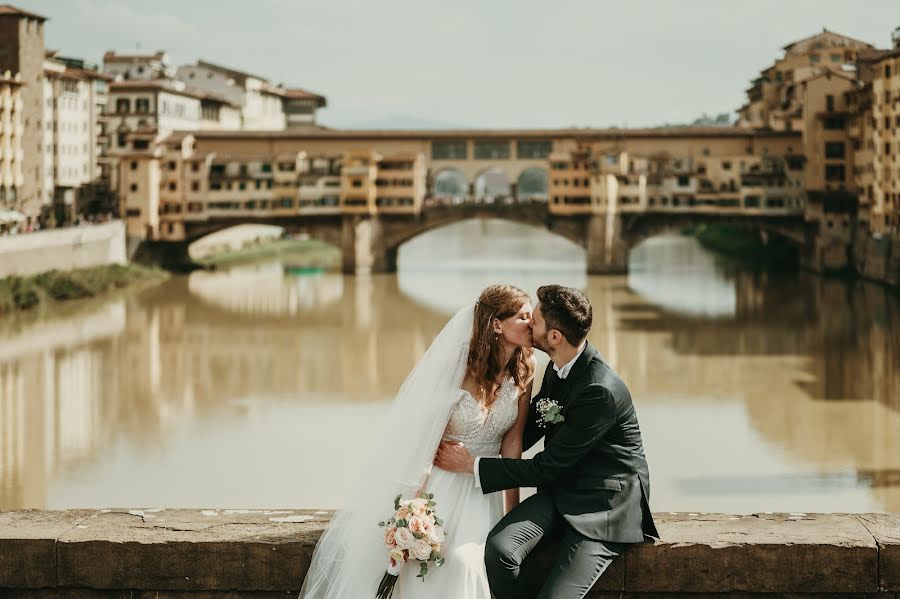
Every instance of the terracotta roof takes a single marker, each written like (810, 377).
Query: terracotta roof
(111, 56)
(155, 85)
(73, 73)
(879, 55)
(230, 71)
(824, 30)
(296, 93)
(10, 10)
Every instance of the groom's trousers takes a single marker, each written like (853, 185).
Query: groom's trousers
(579, 562)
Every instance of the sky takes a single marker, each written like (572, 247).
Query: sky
(477, 63)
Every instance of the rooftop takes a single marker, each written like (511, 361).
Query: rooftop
(233, 72)
(296, 93)
(10, 10)
(111, 56)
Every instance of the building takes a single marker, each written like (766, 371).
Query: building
(261, 103)
(300, 107)
(74, 98)
(11, 150)
(774, 100)
(143, 67)
(882, 138)
(22, 52)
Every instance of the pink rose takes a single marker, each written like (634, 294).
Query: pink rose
(420, 525)
(389, 536)
(404, 538)
(418, 506)
(421, 550)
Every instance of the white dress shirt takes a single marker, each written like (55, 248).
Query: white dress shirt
(562, 373)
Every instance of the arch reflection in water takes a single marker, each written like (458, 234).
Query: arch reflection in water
(676, 273)
(447, 268)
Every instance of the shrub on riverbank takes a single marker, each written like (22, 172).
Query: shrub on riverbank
(747, 246)
(300, 252)
(22, 293)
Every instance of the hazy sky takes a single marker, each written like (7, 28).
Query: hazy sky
(477, 63)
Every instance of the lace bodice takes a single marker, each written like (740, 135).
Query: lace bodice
(481, 429)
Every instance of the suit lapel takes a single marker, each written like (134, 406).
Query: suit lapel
(578, 369)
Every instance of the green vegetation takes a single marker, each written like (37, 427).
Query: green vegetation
(22, 293)
(309, 253)
(747, 247)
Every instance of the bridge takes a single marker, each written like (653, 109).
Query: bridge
(371, 242)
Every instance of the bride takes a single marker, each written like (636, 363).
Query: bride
(472, 386)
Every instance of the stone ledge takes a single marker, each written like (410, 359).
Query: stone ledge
(223, 554)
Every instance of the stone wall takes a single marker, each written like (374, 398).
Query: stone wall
(265, 553)
(62, 249)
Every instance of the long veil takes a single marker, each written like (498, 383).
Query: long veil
(350, 557)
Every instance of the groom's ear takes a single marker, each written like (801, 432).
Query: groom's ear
(554, 337)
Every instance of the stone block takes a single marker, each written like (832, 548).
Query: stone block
(760, 553)
(28, 545)
(208, 550)
(886, 530)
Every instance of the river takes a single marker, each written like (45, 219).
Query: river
(260, 386)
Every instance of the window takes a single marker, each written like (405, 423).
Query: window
(195, 167)
(829, 103)
(195, 186)
(533, 148)
(195, 207)
(217, 186)
(267, 167)
(887, 71)
(814, 58)
(834, 149)
(134, 187)
(834, 123)
(491, 150)
(726, 165)
(449, 150)
(141, 144)
(123, 105)
(172, 165)
(133, 212)
(173, 186)
(684, 181)
(834, 172)
(142, 105)
(835, 58)
(134, 165)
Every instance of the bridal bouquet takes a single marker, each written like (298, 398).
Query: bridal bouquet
(413, 533)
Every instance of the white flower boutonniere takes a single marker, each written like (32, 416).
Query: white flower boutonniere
(549, 412)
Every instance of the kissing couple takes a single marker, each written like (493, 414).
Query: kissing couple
(467, 407)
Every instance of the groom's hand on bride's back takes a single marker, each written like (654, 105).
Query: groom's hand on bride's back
(453, 456)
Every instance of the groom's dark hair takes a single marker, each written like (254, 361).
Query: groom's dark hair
(567, 310)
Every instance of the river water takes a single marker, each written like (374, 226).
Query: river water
(261, 386)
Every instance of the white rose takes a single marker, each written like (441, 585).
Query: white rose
(418, 506)
(404, 538)
(421, 550)
(436, 535)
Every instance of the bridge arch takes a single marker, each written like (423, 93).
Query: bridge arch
(450, 184)
(533, 184)
(492, 184)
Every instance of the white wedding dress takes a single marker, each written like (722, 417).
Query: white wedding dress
(468, 514)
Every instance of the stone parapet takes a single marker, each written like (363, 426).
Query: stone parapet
(231, 554)
(62, 249)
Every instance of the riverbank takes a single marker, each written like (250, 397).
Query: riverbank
(266, 553)
(301, 253)
(746, 247)
(23, 293)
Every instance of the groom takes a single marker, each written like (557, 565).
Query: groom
(592, 480)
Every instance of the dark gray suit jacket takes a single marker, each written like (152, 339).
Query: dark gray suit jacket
(593, 462)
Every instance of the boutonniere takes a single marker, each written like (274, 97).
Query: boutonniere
(549, 412)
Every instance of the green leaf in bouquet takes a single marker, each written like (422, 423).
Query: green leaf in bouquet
(397, 502)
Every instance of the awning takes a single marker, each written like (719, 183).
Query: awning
(11, 216)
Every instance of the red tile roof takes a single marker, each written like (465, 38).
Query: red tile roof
(111, 56)
(10, 10)
(295, 93)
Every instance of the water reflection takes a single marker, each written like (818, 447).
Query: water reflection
(250, 387)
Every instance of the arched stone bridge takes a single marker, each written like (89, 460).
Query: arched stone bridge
(371, 242)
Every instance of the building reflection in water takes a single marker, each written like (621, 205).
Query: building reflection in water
(259, 386)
